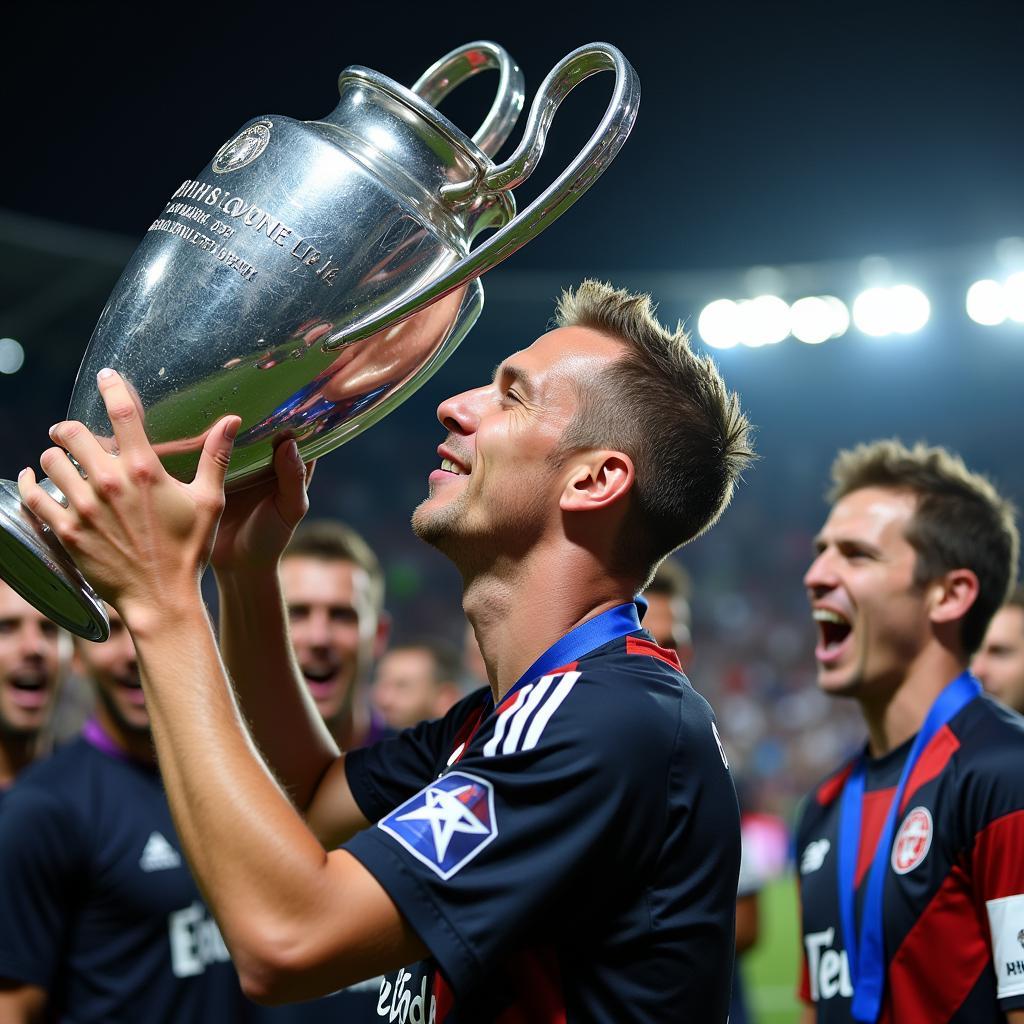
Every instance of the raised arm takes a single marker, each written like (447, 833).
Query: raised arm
(299, 922)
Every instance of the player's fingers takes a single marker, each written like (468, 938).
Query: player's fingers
(216, 456)
(125, 417)
(43, 506)
(63, 472)
(79, 442)
(291, 482)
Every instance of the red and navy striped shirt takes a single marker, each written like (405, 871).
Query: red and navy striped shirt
(953, 897)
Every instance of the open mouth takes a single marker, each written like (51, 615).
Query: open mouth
(131, 687)
(320, 680)
(834, 631)
(448, 466)
(29, 690)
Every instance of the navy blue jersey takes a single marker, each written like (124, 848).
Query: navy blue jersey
(571, 856)
(97, 905)
(953, 898)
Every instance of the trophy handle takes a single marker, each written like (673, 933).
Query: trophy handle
(463, 63)
(588, 165)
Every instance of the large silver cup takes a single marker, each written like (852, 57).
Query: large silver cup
(312, 276)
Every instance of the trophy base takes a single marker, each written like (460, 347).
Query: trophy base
(38, 568)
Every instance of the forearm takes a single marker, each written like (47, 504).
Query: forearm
(275, 701)
(258, 865)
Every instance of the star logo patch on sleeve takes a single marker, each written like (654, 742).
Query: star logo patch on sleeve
(447, 823)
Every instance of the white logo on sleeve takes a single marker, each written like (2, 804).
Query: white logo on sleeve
(718, 740)
(814, 855)
(1006, 923)
(398, 1005)
(158, 854)
(195, 941)
(828, 969)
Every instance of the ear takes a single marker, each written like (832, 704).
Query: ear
(951, 596)
(383, 634)
(597, 479)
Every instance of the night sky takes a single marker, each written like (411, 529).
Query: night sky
(767, 133)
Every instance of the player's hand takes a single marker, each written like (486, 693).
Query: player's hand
(141, 537)
(259, 521)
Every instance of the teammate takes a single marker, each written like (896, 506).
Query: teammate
(999, 663)
(668, 609)
(911, 880)
(416, 681)
(570, 853)
(29, 673)
(100, 919)
(334, 589)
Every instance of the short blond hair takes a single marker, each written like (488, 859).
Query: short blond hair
(669, 410)
(960, 521)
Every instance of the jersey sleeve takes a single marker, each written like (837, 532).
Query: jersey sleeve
(533, 829)
(992, 807)
(383, 775)
(40, 856)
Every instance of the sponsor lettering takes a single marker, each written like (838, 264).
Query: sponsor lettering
(827, 968)
(196, 941)
(1015, 967)
(398, 1005)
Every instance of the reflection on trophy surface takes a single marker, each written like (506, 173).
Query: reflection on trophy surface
(313, 275)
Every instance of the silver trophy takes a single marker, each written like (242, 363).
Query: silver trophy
(312, 276)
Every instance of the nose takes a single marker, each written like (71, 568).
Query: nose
(820, 576)
(460, 414)
(33, 640)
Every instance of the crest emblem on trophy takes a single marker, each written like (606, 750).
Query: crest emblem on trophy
(314, 275)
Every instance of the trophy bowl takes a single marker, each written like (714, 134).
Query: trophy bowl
(312, 276)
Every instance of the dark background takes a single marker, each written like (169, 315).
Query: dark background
(802, 137)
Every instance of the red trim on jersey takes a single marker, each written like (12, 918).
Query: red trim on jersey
(538, 982)
(996, 859)
(637, 645)
(920, 990)
(444, 998)
(465, 737)
(873, 811)
(831, 788)
(803, 989)
(941, 747)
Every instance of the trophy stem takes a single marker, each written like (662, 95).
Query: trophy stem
(37, 567)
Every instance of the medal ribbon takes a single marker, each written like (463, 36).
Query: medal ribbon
(621, 620)
(866, 954)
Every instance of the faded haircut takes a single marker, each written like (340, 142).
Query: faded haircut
(330, 540)
(960, 520)
(665, 407)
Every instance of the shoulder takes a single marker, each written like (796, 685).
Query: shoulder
(55, 788)
(989, 755)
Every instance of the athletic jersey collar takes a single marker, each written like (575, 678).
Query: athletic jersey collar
(610, 625)
(96, 736)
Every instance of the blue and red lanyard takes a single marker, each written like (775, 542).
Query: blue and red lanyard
(866, 952)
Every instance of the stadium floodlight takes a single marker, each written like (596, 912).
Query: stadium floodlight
(986, 303)
(720, 324)
(765, 320)
(1013, 296)
(901, 309)
(12, 356)
(818, 318)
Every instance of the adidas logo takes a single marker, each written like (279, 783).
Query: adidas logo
(158, 854)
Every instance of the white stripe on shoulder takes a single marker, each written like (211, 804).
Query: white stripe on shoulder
(540, 721)
(504, 716)
(540, 688)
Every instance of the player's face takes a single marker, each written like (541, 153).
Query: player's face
(999, 664)
(404, 689)
(668, 621)
(29, 666)
(114, 671)
(497, 490)
(872, 618)
(333, 623)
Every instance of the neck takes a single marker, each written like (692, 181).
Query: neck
(520, 609)
(899, 714)
(137, 744)
(16, 753)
